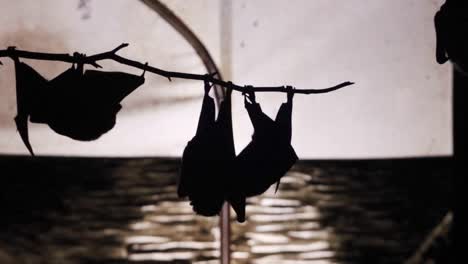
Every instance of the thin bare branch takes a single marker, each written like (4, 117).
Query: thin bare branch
(112, 55)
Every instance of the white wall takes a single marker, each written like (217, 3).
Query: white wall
(401, 102)
(400, 105)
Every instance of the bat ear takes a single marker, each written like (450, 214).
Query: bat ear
(238, 204)
(22, 126)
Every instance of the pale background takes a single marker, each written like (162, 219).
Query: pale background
(400, 105)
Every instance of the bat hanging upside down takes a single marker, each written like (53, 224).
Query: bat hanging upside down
(81, 106)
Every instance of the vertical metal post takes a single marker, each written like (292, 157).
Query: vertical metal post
(225, 229)
(226, 63)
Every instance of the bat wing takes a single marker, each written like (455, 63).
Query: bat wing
(22, 127)
(110, 88)
(262, 164)
(29, 86)
(264, 161)
(199, 180)
(66, 101)
(86, 105)
(66, 90)
(192, 157)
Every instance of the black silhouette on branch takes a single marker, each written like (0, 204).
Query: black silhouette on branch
(78, 104)
(268, 156)
(112, 55)
(211, 173)
(83, 105)
(208, 157)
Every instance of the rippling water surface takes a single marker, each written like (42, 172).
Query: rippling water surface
(69, 210)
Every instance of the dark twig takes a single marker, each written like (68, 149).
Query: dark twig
(111, 55)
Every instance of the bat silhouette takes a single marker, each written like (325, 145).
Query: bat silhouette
(208, 157)
(82, 106)
(452, 35)
(210, 172)
(266, 158)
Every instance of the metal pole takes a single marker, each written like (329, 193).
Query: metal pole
(226, 69)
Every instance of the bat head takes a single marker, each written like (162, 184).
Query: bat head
(205, 204)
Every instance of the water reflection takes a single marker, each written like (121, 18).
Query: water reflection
(119, 211)
(101, 211)
(166, 256)
(345, 212)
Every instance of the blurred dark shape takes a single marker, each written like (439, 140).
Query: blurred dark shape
(85, 6)
(451, 24)
(80, 106)
(266, 158)
(208, 157)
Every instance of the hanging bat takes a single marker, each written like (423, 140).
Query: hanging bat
(266, 159)
(82, 106)
(208, 158)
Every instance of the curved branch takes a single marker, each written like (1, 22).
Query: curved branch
(111, 55)
(191, 38)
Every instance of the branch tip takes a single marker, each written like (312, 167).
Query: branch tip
(121, 46)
